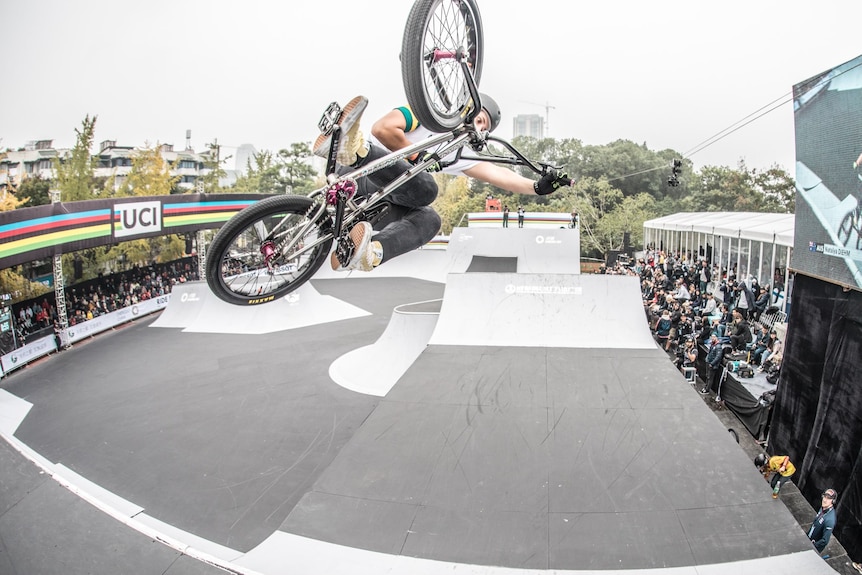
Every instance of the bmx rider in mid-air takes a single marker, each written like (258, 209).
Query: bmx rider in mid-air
(411, 222)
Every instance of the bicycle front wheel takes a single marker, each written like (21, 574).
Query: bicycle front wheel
(245, 264)
(437, 32)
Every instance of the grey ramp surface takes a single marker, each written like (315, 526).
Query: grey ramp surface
(565, 459)
(215, 434)
(543, 310)
(46, 529)
(194, 308)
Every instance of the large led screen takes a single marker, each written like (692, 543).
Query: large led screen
(827, 111)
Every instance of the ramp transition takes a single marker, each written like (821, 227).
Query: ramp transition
(542, 310)
(194, 308)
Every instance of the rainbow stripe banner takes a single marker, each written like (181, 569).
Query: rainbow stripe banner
(28, 234)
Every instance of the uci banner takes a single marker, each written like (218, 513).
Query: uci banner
(27, 234)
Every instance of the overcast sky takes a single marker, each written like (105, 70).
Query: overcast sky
(670, 73)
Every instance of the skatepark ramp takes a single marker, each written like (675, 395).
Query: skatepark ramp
(517, 250)
(542, 310)
(374, 369)
(194, 308)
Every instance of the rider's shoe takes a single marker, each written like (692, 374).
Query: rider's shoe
(367, 254)
(352, 142)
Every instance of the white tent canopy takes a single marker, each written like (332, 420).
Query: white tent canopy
(769, 228)
(755, 244)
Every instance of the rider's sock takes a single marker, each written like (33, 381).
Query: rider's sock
(377, 250)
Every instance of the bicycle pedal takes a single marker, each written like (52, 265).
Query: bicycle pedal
(329, 118)
(344, 249)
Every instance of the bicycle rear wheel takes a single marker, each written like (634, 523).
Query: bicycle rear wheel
(236, 267)
(434, 82)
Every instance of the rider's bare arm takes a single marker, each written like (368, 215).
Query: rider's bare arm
(389, 131)
(501, 177)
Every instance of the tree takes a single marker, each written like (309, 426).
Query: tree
(454, 200)
(35, 191)
(297, 173)
(288, 172)
(209, 182)
(74, 171)
(150, 174)
(777, 188)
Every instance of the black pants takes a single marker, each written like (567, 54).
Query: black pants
(411, 222)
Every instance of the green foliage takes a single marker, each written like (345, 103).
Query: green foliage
(296, 172)
(35, 191)
(110, 259)
(74, 172)
(20, 287)
(150, 175)
(208, 183)
(287, 172)
(722, 189)
(455, 200)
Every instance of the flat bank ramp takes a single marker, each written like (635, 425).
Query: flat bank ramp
(542, 310)
(194, 308)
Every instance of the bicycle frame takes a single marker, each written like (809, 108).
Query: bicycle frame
(341, 189)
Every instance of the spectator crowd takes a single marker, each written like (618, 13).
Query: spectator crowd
(86, 300)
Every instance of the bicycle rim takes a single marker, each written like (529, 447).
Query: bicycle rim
(237, 270)
(435, 86)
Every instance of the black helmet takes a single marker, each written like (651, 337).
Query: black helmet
(494, 113)
(760, 460)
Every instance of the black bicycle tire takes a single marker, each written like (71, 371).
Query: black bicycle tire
(412, 52)
(239, 222)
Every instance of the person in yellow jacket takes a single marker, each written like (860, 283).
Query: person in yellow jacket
(781, 468)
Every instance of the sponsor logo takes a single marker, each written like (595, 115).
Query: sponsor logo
(512, 289)
(162, 299)
(137, 218)
(261, 300)
(292, 297)
(547, 240)
(135, 310)
(189, 297)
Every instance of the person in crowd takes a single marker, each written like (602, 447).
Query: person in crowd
(714, 355)
(779, 467)
(761, 303)
(506, 216)
(773, 354)
(740, 331)
(744, 298)
(704, 275)
(662, 328)
(681, 293)
(688, 353)
(824, 521)
(709, 306)
(761, 345)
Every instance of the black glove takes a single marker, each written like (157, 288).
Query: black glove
(551, 182)
(435, 167)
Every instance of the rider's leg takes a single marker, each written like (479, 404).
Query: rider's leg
(420, 191)
(404, 229)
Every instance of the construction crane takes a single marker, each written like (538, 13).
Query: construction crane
(547, 108)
